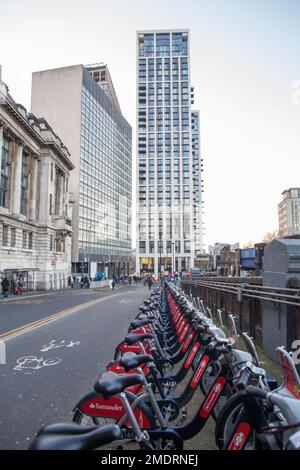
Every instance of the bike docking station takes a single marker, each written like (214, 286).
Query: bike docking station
(175, 371)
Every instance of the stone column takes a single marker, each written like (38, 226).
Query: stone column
(33, 188)
(1, 143)
(63, 195)
(16, 187)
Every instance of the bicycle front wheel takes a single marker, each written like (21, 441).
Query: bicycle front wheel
(227, 426)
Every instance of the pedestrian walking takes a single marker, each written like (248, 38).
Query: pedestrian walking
(5, 287)
(19, 285)
(129, 280)
(113, 283)
(150, 282)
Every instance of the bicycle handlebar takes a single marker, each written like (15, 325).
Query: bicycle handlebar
(259, 392)
(243, 380)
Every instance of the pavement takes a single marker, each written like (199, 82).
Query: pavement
(56, 347)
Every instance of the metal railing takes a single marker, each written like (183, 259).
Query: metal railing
(290, 296)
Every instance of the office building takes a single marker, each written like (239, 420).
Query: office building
(169, 229)
(289, 213)
(101, 75)
(35, 209)
(100, 141)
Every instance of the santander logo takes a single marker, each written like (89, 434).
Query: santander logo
(191, 356)
(238, 440)
(212, 397)
(199, 371)
(240, 436)
(98, 406)
(188, 340)
(184, 332)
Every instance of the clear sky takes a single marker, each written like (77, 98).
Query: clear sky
(245, 63)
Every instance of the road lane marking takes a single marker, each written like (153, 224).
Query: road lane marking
(56, 316)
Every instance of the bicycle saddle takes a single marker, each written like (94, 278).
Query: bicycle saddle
(132, 338)
(91, 439)
(141, 322)
(142, 315)
(111, 383)
(64, 428)
(143, 308)
(130, 360)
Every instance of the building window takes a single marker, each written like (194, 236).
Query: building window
(50, 204)
(24, 239)
(24, 181)
(187, 246)
(58, 244)
(13, 237)
(5, 235)
(30, 238)
(51, 242)
(51, 172)
(4, 173)
(142, 247)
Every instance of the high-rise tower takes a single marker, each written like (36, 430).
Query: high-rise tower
(169, 225)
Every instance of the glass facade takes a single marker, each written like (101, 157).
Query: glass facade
(166, 143)
(105, 178)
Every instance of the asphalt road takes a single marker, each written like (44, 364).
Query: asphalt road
(24, 310)
(45, 387)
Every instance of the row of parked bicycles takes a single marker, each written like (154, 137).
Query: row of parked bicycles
(143, 399)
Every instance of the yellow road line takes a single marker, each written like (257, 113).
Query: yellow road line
(30, 326)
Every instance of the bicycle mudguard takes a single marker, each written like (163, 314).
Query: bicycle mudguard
(137, 388)
(93, 404)
(124, 347)
(114, 366)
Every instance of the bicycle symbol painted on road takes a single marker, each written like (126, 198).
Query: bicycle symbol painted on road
(54, 345)
(35, 363)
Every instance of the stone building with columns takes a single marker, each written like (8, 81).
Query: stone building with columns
(35, 205)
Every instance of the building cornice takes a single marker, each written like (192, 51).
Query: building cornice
(38, 128)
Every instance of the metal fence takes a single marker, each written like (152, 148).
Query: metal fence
(245, 300)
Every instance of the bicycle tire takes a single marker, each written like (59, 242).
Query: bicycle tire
(226, 421)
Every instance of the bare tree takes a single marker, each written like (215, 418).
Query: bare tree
(269, 236)
(249, 245)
